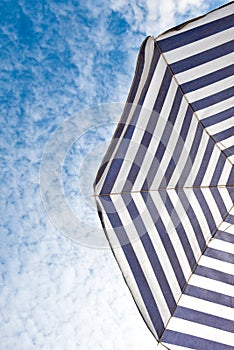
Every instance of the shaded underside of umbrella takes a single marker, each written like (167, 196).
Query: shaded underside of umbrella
(165, 188)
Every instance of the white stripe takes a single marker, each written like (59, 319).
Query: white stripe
(185, 154)
(199, 213)
(231, 159)
(159, 248)
(174, 347)
(184, 220)
(120, 257)
(198, 46)
(159, 129)
(197, 161)
(149, 51)
(222, 246)
(170, 146)
(207, 193)
(211, 167)
(230, 229)
(172, 234)
(205, 68)
(207, 306)
(218, 127)
(201, 331)
(143, 259)
(209, 90)
(232, 210)
(225, 173)
(215, 264)
(212, 285)
(229, 142)
(155, 84)
(126, 220)
(108, 227)
(215, 109)
(140, 128)
(227, 227)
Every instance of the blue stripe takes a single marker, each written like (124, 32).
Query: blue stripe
(119, 130)
(230, 219)
(154, 167)
(153, 66)
(150, 251)
(230, 182)
(134, 264)
(203, 57)
(191, 157)
(213, 99)
(146, 140)
(111, 175)
(214, 274)
(217, 118)
(165, 239)
(204, 318)
(204, 164)
(129, 132)
(144, 289)
(220, 255)
(225, 236)
(168, 174)
(216, 193)
(229, 151)
(224, 134)
(175, 107)
(197, 33)
(186, 124)
(138, 72)
(163, 91)
(179, 229)
(192, 218)
(192, 342)
(135, 168)
(177, 151)
(148, 135)
(208, 295)
(206, 210)
(208, 79)
(218, 170)
(164, 141)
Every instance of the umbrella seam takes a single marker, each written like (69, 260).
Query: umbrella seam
(161, 189)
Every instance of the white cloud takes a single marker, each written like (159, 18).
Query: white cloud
(152, 17)
(56, 295)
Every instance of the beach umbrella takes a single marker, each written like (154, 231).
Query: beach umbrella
(165, 188)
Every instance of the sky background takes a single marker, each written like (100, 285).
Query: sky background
(61, 60)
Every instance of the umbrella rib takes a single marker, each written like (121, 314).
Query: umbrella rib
(187, 100)
(160, 189)
(195, 266)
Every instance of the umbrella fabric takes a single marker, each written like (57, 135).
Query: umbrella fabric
(165, 188)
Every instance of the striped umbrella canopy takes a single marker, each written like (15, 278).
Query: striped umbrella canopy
(165, 188)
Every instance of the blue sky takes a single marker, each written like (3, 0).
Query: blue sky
(59, 58)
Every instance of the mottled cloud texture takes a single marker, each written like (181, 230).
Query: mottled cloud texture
(57, 58)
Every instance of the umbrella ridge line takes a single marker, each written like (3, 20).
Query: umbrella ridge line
(194, 268)
(162, 189)
(187, 100)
